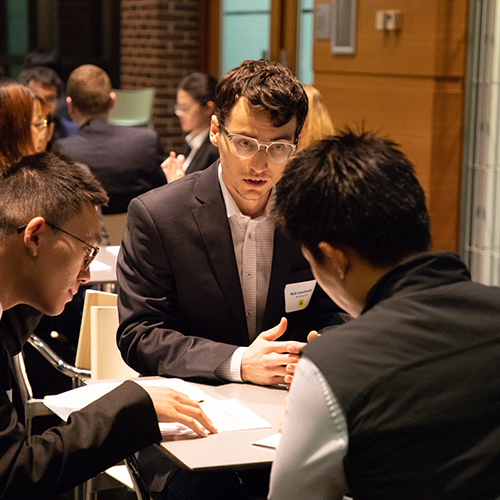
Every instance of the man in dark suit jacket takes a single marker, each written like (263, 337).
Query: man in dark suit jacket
(48, 235)
(126, 160)
(204, 279)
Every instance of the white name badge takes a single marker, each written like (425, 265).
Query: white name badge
(298, 295)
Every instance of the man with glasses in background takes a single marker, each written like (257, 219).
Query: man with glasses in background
(47, 83)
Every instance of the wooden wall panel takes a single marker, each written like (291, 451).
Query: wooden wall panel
(432, 41)
(408, 86)
(395, 107)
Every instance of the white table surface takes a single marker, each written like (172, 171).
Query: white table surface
(231, 450)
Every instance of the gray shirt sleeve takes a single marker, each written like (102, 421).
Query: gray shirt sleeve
(313, 444)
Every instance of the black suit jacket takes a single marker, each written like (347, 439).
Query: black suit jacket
(95, 438)
(204, 157)
(126, 160)
(180, 300)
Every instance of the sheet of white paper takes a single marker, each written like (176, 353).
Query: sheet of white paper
(229, 415)
(225, 414)
(76, 399)
(269, 442)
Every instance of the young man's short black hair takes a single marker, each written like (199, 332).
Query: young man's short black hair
(266, 85)
(47, 185)
(357, 192)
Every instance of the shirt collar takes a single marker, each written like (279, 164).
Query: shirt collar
(195, 140)
(231, 207)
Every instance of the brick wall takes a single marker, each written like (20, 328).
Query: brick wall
(160, 45)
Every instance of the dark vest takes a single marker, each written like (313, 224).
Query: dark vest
(418, 376)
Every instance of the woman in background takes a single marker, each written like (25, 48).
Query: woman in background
(195, 107)
(318, 124)
(21, 123)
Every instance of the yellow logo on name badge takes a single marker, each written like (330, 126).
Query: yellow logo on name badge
(301, 304)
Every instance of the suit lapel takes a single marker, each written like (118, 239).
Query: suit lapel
(284, 255)
(211, 219)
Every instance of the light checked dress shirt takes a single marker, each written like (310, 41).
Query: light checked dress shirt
(253, 241)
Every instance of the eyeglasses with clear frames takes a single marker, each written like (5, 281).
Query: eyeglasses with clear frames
(182, 109)
(246, 147)
(92, 251)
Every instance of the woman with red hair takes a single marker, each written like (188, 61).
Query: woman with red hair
(22, 124)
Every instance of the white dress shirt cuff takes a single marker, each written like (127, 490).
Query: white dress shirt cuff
(231, 368)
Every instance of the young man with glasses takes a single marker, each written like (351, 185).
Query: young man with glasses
(207, 288)
(49, 232)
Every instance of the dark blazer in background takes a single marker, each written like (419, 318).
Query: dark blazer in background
(204, 157)
(126, 160)
(180, 299)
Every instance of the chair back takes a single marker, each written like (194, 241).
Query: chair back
(92, 298)
(133, 107)
(105, 358)
(97, 349)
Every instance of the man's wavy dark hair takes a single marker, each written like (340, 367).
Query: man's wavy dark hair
(267, 86)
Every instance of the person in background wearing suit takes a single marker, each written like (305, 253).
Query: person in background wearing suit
(126, 160)
(207, 287)
(49, 233)
(403, 400)
(195, 107)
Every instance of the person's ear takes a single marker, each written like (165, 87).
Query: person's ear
(214, 131)
(32, 235)
(71, 108)
(336, 258)
(210, 107)
(112, 97)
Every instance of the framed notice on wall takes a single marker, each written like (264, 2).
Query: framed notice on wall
(343, 26)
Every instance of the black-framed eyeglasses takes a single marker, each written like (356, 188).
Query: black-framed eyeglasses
(92, 251)
(246, 147)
